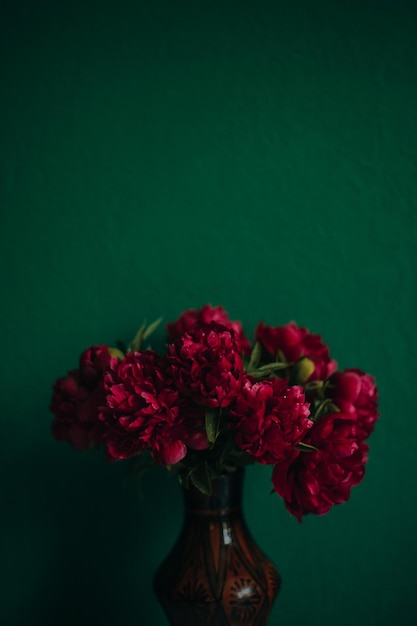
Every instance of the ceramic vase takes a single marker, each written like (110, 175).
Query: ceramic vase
(216, 575)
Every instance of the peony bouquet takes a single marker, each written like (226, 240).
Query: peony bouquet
(213, 403)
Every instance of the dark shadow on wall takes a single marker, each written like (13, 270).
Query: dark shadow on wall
(83, 542)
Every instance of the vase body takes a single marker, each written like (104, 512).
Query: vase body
(216, 575)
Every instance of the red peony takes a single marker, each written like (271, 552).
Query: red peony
(158, 403)
(269, 419)
(312, 482)
(76, 398)
(205, 315)
(144, 411)
(355, 393)
(292, 342)
(206, 365)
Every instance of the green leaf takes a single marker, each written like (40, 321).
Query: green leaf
(306, 447)
(212, 424)
(226, 450)
(332, 408)
(277, 365)
(142, 334)
(267, 370)
(255, 356)
(314, 385)
(280, 356)
(152, 327)
(326, 406)
(115, 352)
(184, 479)
(136, 344)
(200, 478)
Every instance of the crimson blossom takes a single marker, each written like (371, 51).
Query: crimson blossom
(314, 481)
(145, 411)
(205, 315)
(206, 366)
(294, 342)
(76, 398)
(269, 419)
(356, 395)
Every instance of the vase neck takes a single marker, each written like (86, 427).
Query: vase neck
(226, 496)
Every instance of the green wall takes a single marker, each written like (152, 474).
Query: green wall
(159, 155)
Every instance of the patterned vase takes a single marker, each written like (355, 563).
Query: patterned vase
(216, 575)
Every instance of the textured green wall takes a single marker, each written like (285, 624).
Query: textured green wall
(159, 155)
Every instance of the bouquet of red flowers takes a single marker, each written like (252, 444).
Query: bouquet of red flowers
(213, 403)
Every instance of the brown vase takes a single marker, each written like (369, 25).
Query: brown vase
(216, 575)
